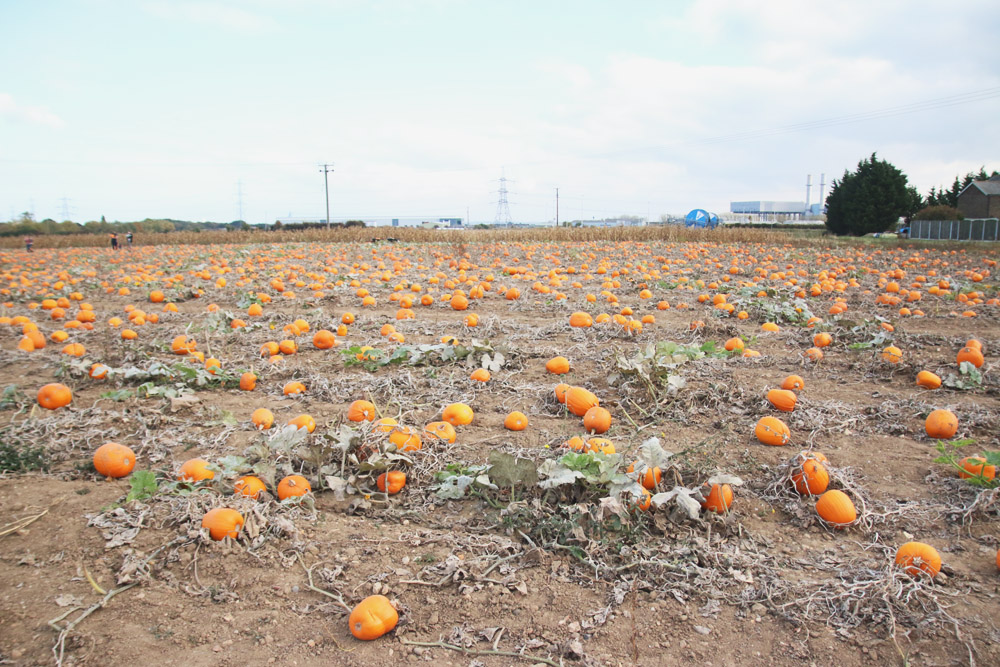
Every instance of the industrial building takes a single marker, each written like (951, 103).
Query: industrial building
(769, 211)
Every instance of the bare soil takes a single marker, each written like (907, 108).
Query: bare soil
(507, 576)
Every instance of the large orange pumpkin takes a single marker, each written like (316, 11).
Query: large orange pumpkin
(579, 400)
(772, 431)
(837, 508)
(941, 424)
(114, 460)
(782, 399)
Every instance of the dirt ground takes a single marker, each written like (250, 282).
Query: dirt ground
(514, 575)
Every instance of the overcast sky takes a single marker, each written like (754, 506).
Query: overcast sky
(173, 108)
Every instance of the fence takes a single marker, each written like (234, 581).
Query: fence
(987, 229)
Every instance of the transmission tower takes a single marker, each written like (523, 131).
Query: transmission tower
(503, 207)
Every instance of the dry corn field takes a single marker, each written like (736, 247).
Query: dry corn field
(600, 447)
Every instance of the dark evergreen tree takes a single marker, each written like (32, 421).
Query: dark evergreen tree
(871, 199)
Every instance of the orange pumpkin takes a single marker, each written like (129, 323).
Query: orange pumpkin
(772, 431)
(812, 479)
(837, 508)
(928, 380)
(822, 339)
(391, 482)
(719, 498)
(557, 365)
(579, 400)
(457, 414)
(293, 388)
(480, 375)
(262, 419)
(793, 382)
(650, 478)
(114, 460)
(249, 486)
(561, 390)
(941, 424)
(782, 399)
(293, 486)
(515, 421)
(892, 354)
(54, 395)
(972, 355)
(441, 430)
(360, 411)
(248, 381)
(373, 617)
(975, 466)
(195, 470)
(324, 339)
(303, 421)
(406, 439)
(597, 420)
(581, 319)
(222, 522)
(916, 558)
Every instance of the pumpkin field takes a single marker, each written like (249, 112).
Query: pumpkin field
(500, 449)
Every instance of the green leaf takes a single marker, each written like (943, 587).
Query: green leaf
(508, 470)
(143, 485)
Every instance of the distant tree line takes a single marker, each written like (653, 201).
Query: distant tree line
(26, 225)
(942, 197)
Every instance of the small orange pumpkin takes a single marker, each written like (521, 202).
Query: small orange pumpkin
(719, 498)
(793, 382)
(195, 470)
(391, 482)
(972, 355)
(262, 419)
(303, 421)
(441, 430)
(373, 617)
(360, 411)
(892, 354)
(248, 381)
(515, 421)
(480, 375)
(975, 466)
(917, 557)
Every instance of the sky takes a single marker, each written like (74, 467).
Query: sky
(225, 109)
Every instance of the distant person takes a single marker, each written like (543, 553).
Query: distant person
(128, 240)
(28, 242)
(114, 241)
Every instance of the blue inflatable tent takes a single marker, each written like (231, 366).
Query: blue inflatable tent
(699, 217)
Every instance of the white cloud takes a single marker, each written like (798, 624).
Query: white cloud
(34, 115)
(219, 15)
